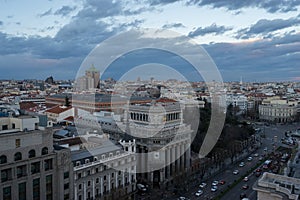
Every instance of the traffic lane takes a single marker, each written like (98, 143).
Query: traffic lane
(238, 190)
(227, 176)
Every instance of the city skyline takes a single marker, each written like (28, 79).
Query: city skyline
(249, 39)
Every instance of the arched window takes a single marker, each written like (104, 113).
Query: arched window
(18, 156)
(31, 153)
(3, 159)
(44, 151)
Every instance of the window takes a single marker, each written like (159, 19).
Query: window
(89, 183)
(49, 190)
(112, 175)
(66, 197)
(66, 175)
(6, 175)
(13, 125)
(18, 156)
(44, 151)
(79, 175)
(31, 153)
(79, 186)
(22, 191)
(66, 186)
(35, 167)
(21, 171)
(3, 159)
(36, 189)
(104, 178)
(48, 164)
(18, 143)
(97, 180)
(4, 127)
(7, 193)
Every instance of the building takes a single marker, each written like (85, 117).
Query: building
(277, 187)
(278, 110)
(89, 81)
(31, 168)
(237, 100)
(104, 171)
(60, 114)
(162, 141)
(95, 102)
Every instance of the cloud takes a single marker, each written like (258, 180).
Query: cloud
(1, 23)
(271, 6)
(46, 13)
(161, 2)
(65, 10)
(173, 25)
(212, 29)
(259, 59)
(265, 27)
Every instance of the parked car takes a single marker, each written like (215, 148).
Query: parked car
(215, 183)
(235, 172)
(199, 193)
(246, 179)
(222, 182)
(242, 164)
(214, 188)
(250, 158)
(202, 185)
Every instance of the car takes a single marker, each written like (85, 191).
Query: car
(257, 174)
(199, 193)
(246, 179)
(214, 188)
(243, 195)
(215, 183)
(250, 158)
(242, 164)
(256, 155)
(222, 182)
(266, 149)
(245, 187)
(235, 172)
(141, 187)
(258, 170)
(260, 158)
(202, 185)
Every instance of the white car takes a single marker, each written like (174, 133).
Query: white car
(242, 164)
(250, 158)
(256, 155)
(246, 179)
(202, 185)
(235, 172)
(215, 183)
(199, 193)
(214, 188)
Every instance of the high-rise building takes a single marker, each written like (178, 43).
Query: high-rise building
(90, 80)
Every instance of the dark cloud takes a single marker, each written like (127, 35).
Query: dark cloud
(161, 2)
(65, 10)
(46, 13)
(173, 25)
(261, 60)
(269, 5)
(212, 29)
(265, 27)
(1, 23)
(18, 23)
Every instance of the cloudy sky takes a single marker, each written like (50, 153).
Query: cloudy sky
(258, 40)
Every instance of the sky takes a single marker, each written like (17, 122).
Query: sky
(258, 40)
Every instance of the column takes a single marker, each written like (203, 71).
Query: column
(93, 184)
(84, 190)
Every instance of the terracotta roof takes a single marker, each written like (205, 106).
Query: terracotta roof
(166, 100)
(70, 119)
(27, 105)
(58, 109)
